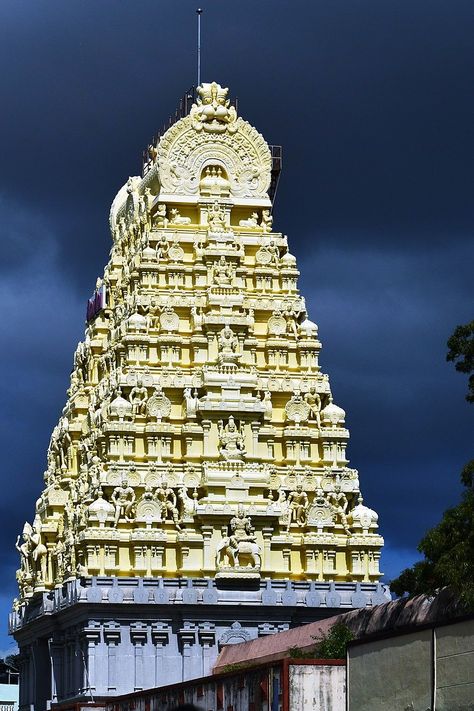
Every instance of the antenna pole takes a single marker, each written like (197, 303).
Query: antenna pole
(199, 13)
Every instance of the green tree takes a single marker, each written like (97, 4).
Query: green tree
(448, 548)
(13, 660)
(461, 352)
(332, 645)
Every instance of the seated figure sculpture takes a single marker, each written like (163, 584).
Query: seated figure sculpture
(241, 541)
(228, 344)
(231, 440)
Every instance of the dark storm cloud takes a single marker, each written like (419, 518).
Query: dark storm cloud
(373, 104)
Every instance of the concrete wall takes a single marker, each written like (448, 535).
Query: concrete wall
(455, 667)
(301, 685)
(317, 688)
(9, 697)
(419, 671)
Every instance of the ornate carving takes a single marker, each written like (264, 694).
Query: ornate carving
(167, 501)
(123, 498)
(268, 254)
(231, 440)
(239, 545)
(138, 398)
(191, 401)
(169, 319)
(223, 272)
(184, 152)
(313, 400)
(297, 410)
(276, 324)
(159, 406)
(228, 344)
(213, 112)
(297, 503)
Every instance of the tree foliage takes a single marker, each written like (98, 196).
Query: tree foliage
(461, 352)
(332, 645)
(448, 548)
(13, 660)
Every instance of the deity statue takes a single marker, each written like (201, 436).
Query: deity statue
(167, 501)
(95, 471)
(250, 318)
(159, 218)
(274, 251)
(291, 322)
(190, 402)
(151, 312)
(58, 554)
(241, 527)
(24, 549)
(231, 439)
(228, 344)
(267, 402)
(33, 552)
(313, 399)
(199, 247)
(338, 501)
(60, 445)
(241, 541)
(196, 318)
(267, 221)
(123, 498)
(222, 272)
(139, 397)
(162, 246)
(297, 506)
(216, 218)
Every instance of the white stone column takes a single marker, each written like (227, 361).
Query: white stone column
(138, 637)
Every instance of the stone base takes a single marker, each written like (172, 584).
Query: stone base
(105, 636)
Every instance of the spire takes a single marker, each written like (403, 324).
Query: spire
(199, 437)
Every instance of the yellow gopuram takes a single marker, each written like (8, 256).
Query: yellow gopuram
(200, 440)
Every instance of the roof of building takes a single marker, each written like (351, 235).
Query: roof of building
(391, 617)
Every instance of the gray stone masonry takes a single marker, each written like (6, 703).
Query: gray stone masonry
(104, 636)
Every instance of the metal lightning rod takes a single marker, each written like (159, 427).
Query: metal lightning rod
(199, 13)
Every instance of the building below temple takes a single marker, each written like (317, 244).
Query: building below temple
(197, 489)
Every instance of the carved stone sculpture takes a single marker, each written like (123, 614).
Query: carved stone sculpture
(240, 543)
(313, 400)
(228, 344)
(267, 221)
(167, 501)
(191, 403)
(123, 498)
(231, 440)
(297, 506)
(138, 398)
(297, 410)
(222, 272)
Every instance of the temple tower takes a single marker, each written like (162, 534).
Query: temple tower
(197, 489)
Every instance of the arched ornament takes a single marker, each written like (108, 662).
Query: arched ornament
(184, 152)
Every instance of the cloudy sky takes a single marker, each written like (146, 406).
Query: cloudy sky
(373, 104)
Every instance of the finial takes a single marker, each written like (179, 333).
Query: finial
(198, 13)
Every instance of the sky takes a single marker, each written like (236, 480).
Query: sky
(373, 104)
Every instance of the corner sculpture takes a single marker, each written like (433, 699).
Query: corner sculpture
(199, 451)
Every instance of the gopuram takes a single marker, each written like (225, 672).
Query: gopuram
(197, 490)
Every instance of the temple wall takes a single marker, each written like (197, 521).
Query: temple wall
(417, 671)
